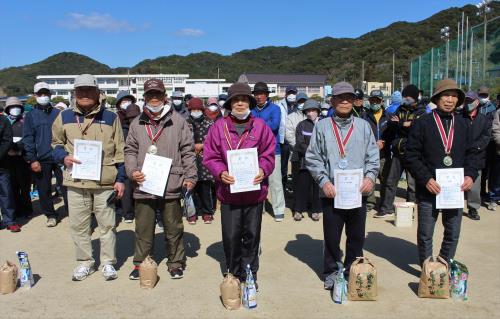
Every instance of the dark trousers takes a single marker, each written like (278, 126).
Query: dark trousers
(306, 192)
(333, 224)
(43, 181)
(241, 226)
(127, 201)
(203, 198)
(427, 217)
(21, 184)
(7, 204)
(494, 194)
(383, 172)
(392, 185)
(145, 219)
(285, 156)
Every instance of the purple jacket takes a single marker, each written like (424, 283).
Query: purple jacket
(214, 157)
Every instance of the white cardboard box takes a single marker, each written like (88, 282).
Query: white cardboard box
(404, 214)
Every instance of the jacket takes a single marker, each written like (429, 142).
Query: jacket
(495, 130)
(175, 142)
(37, 134)
(381, 130)
(322, 155)
(126, 116)
(181, 109)
(200, 130)
(259, 136)
(480, 127)
(271, 114)
(285, 110)
(105, 128)
(292, 120)
(17, 134)
(5, 141)
(303, 135)
(404, 113)
(425, 150)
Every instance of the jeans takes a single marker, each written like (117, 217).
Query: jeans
(7, 204)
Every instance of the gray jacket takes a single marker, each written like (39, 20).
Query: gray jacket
(284, 112)
(322, 155)
(292, 120)
(495, 130)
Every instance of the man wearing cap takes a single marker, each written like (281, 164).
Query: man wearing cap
(37, 139)
(271, 114)
(160, 131)
(179, 104)
(480, 127)
(90, 121)
(358, 109)
(342, 142)
(287, 105)
(440, 140)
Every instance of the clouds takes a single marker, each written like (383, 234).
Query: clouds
(189, 32)
(95, 21)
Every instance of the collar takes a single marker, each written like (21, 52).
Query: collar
(97, 109)
(264, 106)
(343, 121)
(230, 120)
(147, 118)
(443, 114)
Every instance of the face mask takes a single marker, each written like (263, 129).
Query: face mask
(196, 114)
(471, 107)
(484, 100)
(221, 103)
(291, 98)
(43, 100)
(177, 102)
(324, 112)
(154, 109)
(312, 115)
(125, 104)
(375, 107)
(300, 106)
(408, 101)
(213, 108)
(242, 116)
(15, 111)
(420, 98)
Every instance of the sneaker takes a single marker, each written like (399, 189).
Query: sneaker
(297, 216)
(134, 275)
(383, 214)
(109, 272)
(128, 220)
(369, 208)
(492, 206)
(176, 273)
(208, 218)
(192, 220)
(82, 272)
(14, 228)
(315, 216)
(159, 225)
(473, 214)
(279, 218)
(51, 222)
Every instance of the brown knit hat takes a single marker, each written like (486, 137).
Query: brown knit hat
(446, 85)
(195, 104)
(236, 89)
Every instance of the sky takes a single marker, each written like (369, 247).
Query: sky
(123, 33)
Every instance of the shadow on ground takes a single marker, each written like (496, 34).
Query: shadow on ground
(309, 251)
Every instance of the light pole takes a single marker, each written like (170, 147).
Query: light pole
(483, 9)
(445, 35)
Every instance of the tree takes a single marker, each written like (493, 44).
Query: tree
(31, 100)
(111, 100)
(57, 99)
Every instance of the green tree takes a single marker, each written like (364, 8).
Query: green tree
(111, 100)
(31, 100)
(57, 99)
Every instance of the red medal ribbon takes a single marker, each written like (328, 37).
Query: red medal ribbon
(447, 139)
(228, 137)
(150, 133)
(84, 131)
(341, 144)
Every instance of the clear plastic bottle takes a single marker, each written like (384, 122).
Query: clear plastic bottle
(250, 291)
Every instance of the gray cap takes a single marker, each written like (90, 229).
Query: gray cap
(13, 100)
(86, 80)
(341, 88)
(41, 86)
(377, 93)
(325, 106)
(177, 94)
(311, 104)
(301, 96)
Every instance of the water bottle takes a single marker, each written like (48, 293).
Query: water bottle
(250, 291)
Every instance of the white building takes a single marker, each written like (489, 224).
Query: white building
(110, 84)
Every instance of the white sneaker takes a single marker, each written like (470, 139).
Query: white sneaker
(109, 272)
(82, 272)
(51, 222)
(279, 218)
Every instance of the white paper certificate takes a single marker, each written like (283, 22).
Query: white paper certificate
(89, 153)
(156, 169)
(451, 195)
(243, 165)
(347, 184)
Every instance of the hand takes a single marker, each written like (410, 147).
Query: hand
(198, 148)
(433, 186)
(394, 118)
(407, 123)
(467, 185)
(120, 189)
(259, 178)
(36, 167)
(329, 190)
(226, 178)
(12, 153)
(188, 185)
(380, 144)
(69, 160)
(138, 177)
(366, 186)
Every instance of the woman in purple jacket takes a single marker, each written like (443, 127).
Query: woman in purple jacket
(241, 213)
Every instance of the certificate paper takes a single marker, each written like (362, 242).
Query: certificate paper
(156, 168)
(347, 184)
(451, 195)
(243, 165)
(90, 154)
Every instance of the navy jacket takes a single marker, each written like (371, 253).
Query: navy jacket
(5, 141)
(37, 134)
(271, 114)
(382, 130)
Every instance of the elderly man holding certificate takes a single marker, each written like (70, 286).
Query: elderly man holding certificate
(239, 152)
(160, 159)
(343, 158)
(440, 154)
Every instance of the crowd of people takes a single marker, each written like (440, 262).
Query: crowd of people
(410, 138)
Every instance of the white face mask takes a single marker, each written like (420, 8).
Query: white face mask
(291, 98)
(221, 103)
(15, 111)
(196, 114)
(324, 112)
(43, 100)
(484, 100)
(242, 116)
(213, 108)
(125, 104)
(177, 102)
(154, 109)
(300, 106)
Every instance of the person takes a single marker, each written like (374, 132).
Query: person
(19, 169)
(179, 104)
(309, 190)
(355, 149)
(379, 119)
(90, 121)
(127, 110)
(271, 114)
(37, 138)
(396, 99)
(7, 204)
(440, 140)
(358, 109)
(202, 193)
(241, 213)
(494, 194)
(400, 123)
(212, 110)
(287, 106)
(160, 130)
(187, 99)
(480, 126)
(325, 107)
(221, 100)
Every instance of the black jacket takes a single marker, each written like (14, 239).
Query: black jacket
(400, 131)
(381, 130)
(17, 132)
(5, 141)
(303, 133)
(480, 127)
(425, 150)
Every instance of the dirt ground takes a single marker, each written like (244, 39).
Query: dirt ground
(289, 275)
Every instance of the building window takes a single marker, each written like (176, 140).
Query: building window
(101, 81)
(178, 80)
(50, 81)
(180, 89)
(314, 90)
(110, 92)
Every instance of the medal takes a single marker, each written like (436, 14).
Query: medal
(446, 139)
(447, 161)
(341, 144)
(152, 149)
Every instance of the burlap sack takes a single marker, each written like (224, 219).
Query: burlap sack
(434, 280)
(230, 292)
(8, 278)
(148, 273)
(362, 280)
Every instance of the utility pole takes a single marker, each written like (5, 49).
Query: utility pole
(218, 81)
(393, 69)
(362, 73)
(445, 35)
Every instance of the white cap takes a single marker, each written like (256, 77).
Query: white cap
(40, 86)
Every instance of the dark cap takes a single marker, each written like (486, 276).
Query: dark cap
(377, 94)
(291, 88)
(260, 87)
(359, 94)
(154, 85)
(411, 90)
(239, 88)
